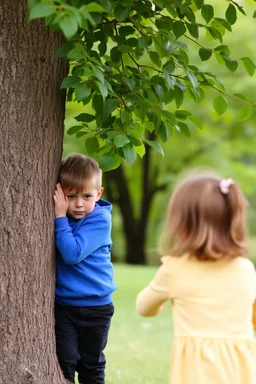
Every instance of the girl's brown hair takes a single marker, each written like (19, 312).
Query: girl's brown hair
(78, 172)
(204, 222)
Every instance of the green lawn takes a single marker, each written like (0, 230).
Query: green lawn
(138, 350)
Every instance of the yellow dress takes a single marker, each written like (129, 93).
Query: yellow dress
(212, 309)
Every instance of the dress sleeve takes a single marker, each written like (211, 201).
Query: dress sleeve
(152, 299)
(254, 309)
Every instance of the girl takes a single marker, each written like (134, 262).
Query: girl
(211, 285)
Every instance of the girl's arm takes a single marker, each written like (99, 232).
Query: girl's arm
(152, 299)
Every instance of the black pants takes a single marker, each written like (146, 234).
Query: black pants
(81, 336)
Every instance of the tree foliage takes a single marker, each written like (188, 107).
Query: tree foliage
(134, 104)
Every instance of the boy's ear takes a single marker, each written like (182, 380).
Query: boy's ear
(99, 193)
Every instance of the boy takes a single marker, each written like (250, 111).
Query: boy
(84, 273)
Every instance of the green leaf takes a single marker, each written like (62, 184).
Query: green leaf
(121, 140)
(75, 54)
(199, 3)
(74, 129)
(178, 29)
(215, 33)
(125, 49)
(97, 72)
(115, 54)
(92, 145)
(144, 41)
(129, 153)
(182, 114)
(193, 30)
(163, 132)
(69, 26)
(222, 49)
(41, 10)
(249, 65)
(103, 90)
(130, 81)
(164, 23)
(85, 117)
(179, 96)
(224, 23)
(81, 134)
(220, 105)
(183, 129)
(64, 49)
(109, 161)
(157, 146)
(102, 47)
(142, 110)
(98, 105)
(93, 7)
(110, 105)
(82, 92)
(243, 98)
(155, 58)
(207, 12)
(196, 120)
(125, 31)
(121, 13)
(192, 78)
(231, 65)
(205, 54)
(230, 14)
(125, 116)
(244, 113)
(70, 81)
(132, 42)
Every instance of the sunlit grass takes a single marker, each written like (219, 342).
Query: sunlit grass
(139, 348)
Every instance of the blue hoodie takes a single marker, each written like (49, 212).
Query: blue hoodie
(84, 272)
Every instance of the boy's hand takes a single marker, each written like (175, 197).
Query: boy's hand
(60, 202)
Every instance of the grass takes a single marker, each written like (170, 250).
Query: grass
(138, 350)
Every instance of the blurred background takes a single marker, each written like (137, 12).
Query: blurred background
(224, 143)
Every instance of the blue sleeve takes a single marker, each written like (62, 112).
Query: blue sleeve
(91, 235)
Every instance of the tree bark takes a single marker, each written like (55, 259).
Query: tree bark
(32, 113)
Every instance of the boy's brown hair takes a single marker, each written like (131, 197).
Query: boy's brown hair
(78, 172)
(204, 222)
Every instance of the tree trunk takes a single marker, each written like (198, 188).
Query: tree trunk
(117, 191)
(135, 248)
(32, 113)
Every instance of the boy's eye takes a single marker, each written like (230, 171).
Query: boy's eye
(86, 196)
(71, 197)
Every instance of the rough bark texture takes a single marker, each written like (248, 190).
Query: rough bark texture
(31, 132)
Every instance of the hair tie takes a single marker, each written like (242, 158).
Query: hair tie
(225, 185)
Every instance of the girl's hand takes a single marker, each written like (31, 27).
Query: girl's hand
(60, 202)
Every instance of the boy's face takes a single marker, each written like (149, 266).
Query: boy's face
(80, 205)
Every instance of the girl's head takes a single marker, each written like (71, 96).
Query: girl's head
(206, 218)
